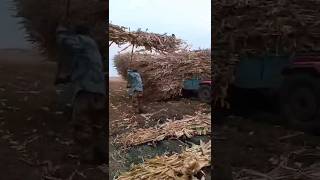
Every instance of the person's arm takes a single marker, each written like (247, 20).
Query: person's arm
(69, 43)
(128, 80)
(129, 83)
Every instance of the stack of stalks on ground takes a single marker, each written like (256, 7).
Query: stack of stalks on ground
(163, 75)
(189, 127)
(184, 166)
(274, 27)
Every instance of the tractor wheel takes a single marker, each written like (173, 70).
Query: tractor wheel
(186, 93)
(300, 101)
(205, 93)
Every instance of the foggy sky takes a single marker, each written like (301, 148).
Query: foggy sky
(11, 35)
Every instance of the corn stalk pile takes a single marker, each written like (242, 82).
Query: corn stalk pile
(272, 26)
(182, 166)
(188, 127)
(289, 167)
(163, 75)
(41, 17)
(150, 41)
(253, 27)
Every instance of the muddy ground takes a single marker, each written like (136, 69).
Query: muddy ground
(35, 141)
(123, 119)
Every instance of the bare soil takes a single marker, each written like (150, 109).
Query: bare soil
(35, 140)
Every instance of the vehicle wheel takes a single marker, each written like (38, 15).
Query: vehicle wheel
(300, 101)
(186, 93)
(205, 93)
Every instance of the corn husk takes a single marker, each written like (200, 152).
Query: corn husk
(163, 75)
(177, 166)
(188, 127)
(150, 41)
(41, 17)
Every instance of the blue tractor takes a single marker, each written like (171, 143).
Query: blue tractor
(198, 86)
(289, 83)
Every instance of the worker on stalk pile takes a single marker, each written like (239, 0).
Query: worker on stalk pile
(136, 89)
(81, 64)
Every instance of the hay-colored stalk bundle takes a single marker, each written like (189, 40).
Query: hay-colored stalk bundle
(163, 75)
(182, 166)
(189, 127)
(271, 26)
(150, 41)
(253, 27)
(41, 17)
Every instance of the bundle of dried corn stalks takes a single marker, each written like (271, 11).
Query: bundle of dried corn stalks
(163, 75)
(254, 27)
(150, 41)
(271, 26)
(182, 166)
(189, 127)
(41, 17)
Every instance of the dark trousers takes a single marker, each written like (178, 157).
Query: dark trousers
(89, 120)
(137, 101)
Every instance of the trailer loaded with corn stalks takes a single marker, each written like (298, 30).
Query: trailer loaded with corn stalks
(163, 74)
(245, 29)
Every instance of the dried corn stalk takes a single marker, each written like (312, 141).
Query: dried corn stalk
(176, 167)
(189, 127)
(150, 41)
(163, 75)
(271, 26)
(41, 17)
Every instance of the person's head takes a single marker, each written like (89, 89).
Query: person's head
(132, 70)
(82, 29)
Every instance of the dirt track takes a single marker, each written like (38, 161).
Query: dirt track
(35, 136)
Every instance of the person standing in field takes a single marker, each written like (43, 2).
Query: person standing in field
(136, 89)
(81, 64)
